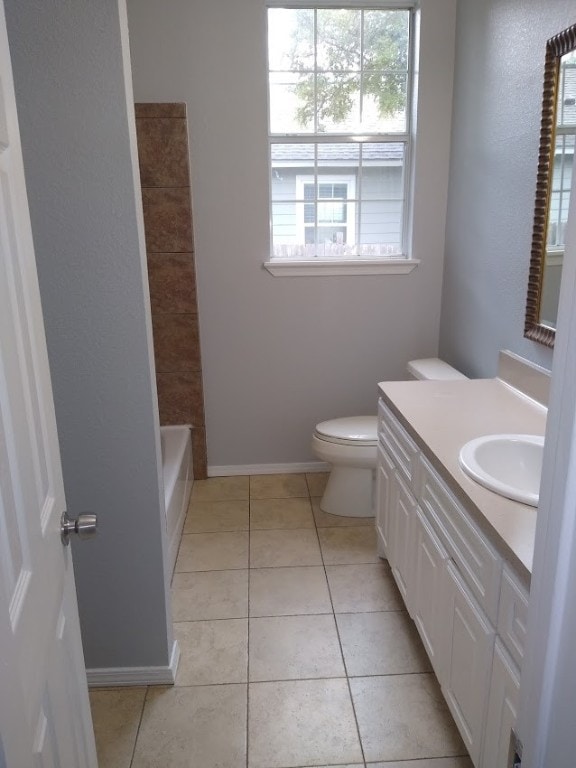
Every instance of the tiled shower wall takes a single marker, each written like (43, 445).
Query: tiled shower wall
(165, 177)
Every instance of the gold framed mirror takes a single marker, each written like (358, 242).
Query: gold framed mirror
(553, 186)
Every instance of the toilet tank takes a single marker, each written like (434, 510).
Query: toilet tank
(434, 369)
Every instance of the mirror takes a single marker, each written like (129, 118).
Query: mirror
(553, 186)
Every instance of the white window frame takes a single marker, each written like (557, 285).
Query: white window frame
(396, 265)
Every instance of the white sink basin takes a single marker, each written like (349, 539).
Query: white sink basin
(510, 465)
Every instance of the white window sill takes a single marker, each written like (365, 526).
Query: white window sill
(280, 268)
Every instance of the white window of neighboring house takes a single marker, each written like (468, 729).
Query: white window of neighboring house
(327, 214)
(339, 106)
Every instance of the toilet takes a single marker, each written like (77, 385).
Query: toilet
(349, 445)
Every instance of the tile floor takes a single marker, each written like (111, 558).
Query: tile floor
(295, 648)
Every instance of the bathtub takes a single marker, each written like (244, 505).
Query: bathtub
(176, 443)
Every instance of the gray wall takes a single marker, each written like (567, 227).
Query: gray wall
(281, 354)
(77, 139)
(495, 134)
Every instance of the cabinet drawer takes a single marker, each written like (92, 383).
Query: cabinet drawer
(513, 614)
(478, 562)
(398, 443)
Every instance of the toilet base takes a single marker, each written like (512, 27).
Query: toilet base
(349, 492)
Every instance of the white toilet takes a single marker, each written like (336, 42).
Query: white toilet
(349, 445)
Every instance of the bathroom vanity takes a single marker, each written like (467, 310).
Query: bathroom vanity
(460, 554)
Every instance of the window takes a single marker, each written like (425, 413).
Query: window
(563, 159)
(327, 214)
(339, 96)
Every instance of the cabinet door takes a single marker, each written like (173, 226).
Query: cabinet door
(430, 603)
(384, 480)
(469, 662)
(401, 546)
(502, 709)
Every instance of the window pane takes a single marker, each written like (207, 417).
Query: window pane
(310, 235)
(386, 41)
(284, 230)
(331, 213)
(291, 102)
(342, 155)
(382, 171)
(338, 41)
(338, 99)
(328, 236)
(566, 110)
(381, 228)
(561, 188)
(384, 103)
(290, 39)
(309, 192)
(288, 161)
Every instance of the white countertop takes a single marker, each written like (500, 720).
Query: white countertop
(443, 415)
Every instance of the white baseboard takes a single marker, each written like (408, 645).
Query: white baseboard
(267, 469)
(112, 677)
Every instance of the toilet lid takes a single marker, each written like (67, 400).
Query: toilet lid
(361, 429)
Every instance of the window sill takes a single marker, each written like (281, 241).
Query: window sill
(280, 268)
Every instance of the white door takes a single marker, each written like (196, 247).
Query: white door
(44, 709)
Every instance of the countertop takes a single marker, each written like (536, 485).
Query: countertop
(443, 415)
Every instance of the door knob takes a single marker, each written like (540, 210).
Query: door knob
(84, 526)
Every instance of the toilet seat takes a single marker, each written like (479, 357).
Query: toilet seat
(350, 430)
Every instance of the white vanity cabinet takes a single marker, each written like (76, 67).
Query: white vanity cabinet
(468, 604)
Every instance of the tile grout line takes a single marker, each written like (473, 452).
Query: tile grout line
(274, 567)
(340, 645)
(139, 726)
(297, 679)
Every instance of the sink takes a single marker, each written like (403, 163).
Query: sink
(509, 465)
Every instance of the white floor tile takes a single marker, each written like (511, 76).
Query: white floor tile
(404, 717)
(384, 643)
(302, 722)
(288, 591)
(212, 652)
(200, 726)
(294, 648)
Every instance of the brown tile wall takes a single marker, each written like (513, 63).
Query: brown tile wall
(165, 176)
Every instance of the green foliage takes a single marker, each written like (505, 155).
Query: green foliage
(338, 65)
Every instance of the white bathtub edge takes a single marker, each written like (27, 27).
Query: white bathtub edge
(178, 476)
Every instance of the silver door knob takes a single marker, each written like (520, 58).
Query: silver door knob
(84, 526)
